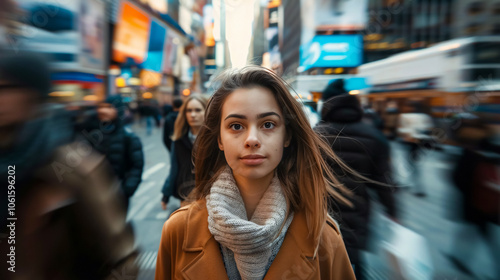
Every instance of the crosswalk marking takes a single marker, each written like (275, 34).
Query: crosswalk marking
(145, 210)
(137, 207)
(152, 170)
(140, 258)
(144, 188)
(147, 260)
(162, 215)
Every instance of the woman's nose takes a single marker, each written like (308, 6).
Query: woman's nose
(252, 140)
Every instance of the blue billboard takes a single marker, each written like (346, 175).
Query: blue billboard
(154, 57)
(332, 51)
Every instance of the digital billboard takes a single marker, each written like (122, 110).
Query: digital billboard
(154, 57)
(132, 34)
(92, 33)
(332, 51)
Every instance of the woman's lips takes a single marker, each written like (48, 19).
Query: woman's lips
(253, 159)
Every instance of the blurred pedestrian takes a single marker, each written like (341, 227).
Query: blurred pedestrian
(122, 148)
(371, 117)
(414, 128)
(150, 113)
(168, 126)
(167, 109)
(363, 148)
(189, 121)
(390, 120)
(65, 220)
(260, 210)
(477, 177)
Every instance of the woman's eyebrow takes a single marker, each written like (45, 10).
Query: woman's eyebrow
(236, 116)
(259, 116)
(263, 115)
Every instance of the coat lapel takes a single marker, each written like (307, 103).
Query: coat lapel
(208, 264)
(295, 257)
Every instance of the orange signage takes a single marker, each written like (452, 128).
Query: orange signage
(150, 78)
(273, 4)
(209, 35)
(132, 34)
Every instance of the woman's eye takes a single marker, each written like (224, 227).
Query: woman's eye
(235, 126)
(268, 125)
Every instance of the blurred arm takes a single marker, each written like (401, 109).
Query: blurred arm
(169, 186)
(167, 129)
(383, 173)
(134, 175)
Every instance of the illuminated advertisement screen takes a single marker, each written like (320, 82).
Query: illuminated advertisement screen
(172, 43)
(154, 57)
(332, 51)
(92, 31)
(131, 35)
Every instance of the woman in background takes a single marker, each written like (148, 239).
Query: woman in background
(187, 125)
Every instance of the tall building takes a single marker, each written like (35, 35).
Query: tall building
(399, 25)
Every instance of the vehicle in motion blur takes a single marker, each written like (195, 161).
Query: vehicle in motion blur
(447, 79)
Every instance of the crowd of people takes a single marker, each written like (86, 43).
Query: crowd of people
(263, 194)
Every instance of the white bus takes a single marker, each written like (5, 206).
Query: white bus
(442, 77)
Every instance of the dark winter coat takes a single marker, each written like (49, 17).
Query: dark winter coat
(168, 128)
(365, 149)
(181, 179)
(122, 148)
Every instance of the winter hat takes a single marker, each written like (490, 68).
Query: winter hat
(26, 70)
(335, 88)
(117, 102)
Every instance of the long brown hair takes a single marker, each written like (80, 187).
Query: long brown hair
(181, 125)
(305, 176)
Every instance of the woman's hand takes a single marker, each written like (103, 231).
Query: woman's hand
(163, 205)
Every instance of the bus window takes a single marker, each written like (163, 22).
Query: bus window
(486, 53)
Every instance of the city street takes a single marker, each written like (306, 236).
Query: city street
(145, 210)
(428, 216)
(418, 70)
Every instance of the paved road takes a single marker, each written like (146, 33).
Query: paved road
(145, 210)
(428, 216)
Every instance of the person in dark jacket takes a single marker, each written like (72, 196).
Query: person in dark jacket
(168, 127)
(122, 148)
(180, 182)
(65, 213)
(364, 149)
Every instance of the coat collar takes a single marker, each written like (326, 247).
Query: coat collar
(197, 238)
(295, 257)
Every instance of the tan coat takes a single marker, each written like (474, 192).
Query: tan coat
(189, 251)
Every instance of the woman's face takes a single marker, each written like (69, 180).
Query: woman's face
(252, 133)
(195, 113)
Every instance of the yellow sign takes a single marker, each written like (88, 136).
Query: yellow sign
(120, 82)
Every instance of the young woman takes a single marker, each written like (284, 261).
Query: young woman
(187, 126)
(260, 209)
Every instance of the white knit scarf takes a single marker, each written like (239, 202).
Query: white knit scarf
(253, 242)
